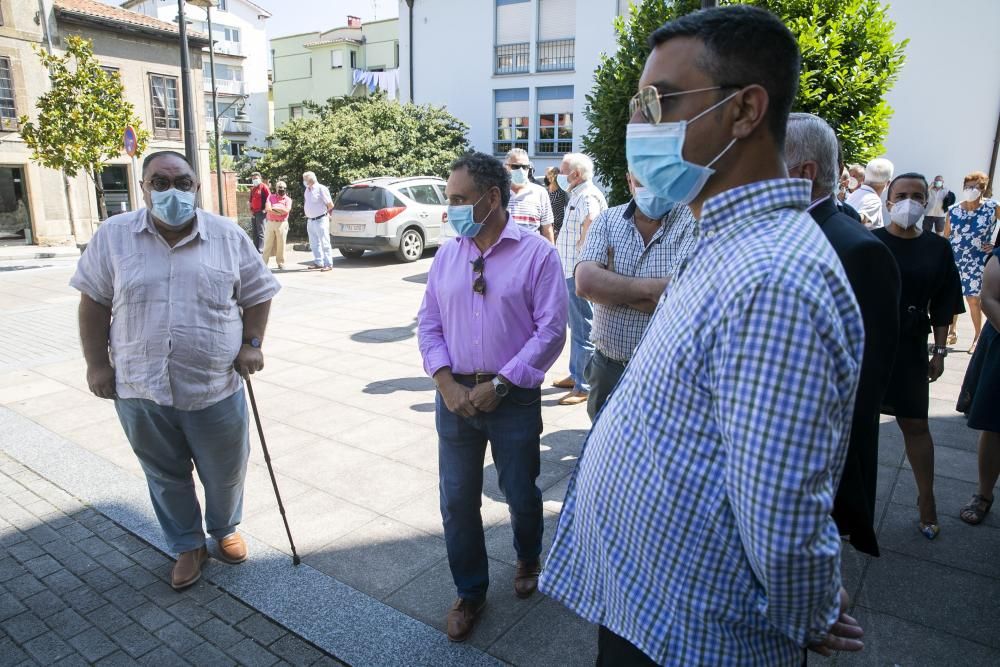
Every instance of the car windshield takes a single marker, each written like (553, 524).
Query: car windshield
(355, 198)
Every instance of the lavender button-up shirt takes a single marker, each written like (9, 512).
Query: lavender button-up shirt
(176, 326)
(517, 328)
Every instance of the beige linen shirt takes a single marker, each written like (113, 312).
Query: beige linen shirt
(176, 323)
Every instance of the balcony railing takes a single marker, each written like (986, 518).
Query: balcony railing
(556, 55)
(229, 48)
(225, 86)
(512, 58)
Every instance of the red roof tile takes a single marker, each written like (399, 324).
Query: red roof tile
(99, 10)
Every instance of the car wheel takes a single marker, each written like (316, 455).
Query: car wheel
(351, 253)
(411, 246)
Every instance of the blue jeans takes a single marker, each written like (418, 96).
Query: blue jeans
(170, 443)
(319, 240)
(513, 431)
(581, 315)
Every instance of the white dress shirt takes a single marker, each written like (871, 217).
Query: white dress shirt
(176, 323)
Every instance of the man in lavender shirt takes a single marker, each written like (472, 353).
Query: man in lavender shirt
(492, 322)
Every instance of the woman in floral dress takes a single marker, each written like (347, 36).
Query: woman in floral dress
(969, 227)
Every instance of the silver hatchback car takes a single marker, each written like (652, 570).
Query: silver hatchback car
(388, 213)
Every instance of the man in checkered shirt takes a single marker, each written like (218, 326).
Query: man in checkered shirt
(628, 258)
(696, 529)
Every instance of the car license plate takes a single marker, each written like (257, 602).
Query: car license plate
(352, 228)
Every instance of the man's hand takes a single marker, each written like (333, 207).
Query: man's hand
(101, 380)
(844, 635)
(249, 360)
(456, 397)
(936, 368)
(484, 397)
(987, 247)
(652, 289)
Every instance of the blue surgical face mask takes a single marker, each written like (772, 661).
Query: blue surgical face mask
(518, 176)
(655, 154)
(463, 220)
(563, 181)
(173, 207)
(652, 206)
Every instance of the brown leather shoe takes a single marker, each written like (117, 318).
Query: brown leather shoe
(526, 578)
(462, 618)
(232, 549)
(566, 383)
(187, 569)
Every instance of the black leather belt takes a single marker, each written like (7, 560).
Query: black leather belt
(476, 378)
(319, 217)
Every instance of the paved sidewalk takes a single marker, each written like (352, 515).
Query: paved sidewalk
(75, 588)
(348, 414)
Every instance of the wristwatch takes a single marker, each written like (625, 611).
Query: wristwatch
(939, 349)
(253, 342)
(500, 387)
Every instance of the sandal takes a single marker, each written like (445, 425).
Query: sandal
(929, 530)
(952, 338)
(975, 510)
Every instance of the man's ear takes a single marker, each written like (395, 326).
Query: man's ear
(749, 110)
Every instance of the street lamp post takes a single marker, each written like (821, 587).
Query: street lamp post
(207, 5)
(190, 137)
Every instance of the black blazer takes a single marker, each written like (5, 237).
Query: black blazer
(872, 272)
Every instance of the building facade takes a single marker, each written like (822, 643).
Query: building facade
(524, 88)
(527, 86)
(241, 64)
(34, 206)
(315, 66)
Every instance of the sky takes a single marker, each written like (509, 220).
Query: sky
(289, 17)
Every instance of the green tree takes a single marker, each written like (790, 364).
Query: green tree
(82, 117)
(849, 62)
(362, 137)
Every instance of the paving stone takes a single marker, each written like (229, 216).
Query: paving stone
(296, 651)
(11, 654)
(9, 606)
(100, 579)
(115, 561)
(75, 532)
(95, 546)
(48, 648)
(79, 563)
(10, 537)
(178, 637)
(116, 659)
(23, 627)
(260, 629)
(202, 592)
(124, 597)
(109, 618)
(189, 612)
(137, 577)
(93, 645)
(43, 566)
(229, 609)
(547, 635)
(25, 551)
(45, 604)
(67, 623)
(84, 600)
(207, 655)
(59, 523)
(24, 586)
(161, 594)
(162, 657)
(218, 633)
(151, 617)
(252, 654)
(110, 531)
(73, 660)
(127, 544)
(10, 568)
(42, 534)
(134, 640)
(150, 558)
(62, 582)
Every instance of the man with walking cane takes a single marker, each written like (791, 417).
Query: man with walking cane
(174, 303)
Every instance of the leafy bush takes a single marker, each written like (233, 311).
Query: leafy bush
(849, 63)
(362, 137)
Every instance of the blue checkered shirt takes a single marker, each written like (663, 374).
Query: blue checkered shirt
(697, 524)
(617, 329)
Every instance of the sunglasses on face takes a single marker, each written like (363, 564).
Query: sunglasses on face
(519, 166)
(162, 183)
(647, 101)
(479, 284)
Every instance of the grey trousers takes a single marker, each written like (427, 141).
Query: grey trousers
(603, 375)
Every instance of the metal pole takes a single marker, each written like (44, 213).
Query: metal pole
(409, 3)
(215, 110)
(990, 188)
(190, 135)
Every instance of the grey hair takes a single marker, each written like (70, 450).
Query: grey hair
(810, 138)
(878, 171)
(308, 176)
(517, 152)
(581, 163)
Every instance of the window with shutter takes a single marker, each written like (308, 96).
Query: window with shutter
(555, 120)
(556, 35)
(512, 119)
(512, 51)
(336, 59)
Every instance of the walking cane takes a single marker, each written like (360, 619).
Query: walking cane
(274, 482)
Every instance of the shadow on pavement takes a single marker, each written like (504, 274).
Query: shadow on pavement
(386, 335)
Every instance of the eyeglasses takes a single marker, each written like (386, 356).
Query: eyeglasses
(479, 285)
(519, 166)
(162, 184)
(647, 101)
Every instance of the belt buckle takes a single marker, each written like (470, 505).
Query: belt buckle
(485, 377)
